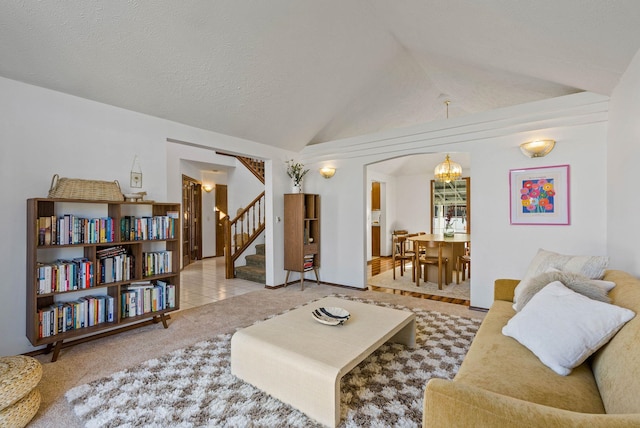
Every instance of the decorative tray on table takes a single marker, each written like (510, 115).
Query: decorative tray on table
(331, 315)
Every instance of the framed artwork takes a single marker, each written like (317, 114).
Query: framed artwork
(539, 196)
(136, 179)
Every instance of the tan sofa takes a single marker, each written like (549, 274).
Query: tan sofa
(502, 384)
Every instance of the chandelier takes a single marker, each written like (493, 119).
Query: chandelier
(448, 171)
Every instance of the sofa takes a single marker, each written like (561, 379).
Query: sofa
(501, 383)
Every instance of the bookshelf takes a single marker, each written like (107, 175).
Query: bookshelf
(301, 235)
(96, 268)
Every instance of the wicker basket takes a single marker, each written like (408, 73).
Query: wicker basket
(93, 190)
(19, 397)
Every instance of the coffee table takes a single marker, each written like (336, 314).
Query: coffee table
(301, 361)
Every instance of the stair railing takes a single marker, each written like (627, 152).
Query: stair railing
(241, 231)
(256, 166)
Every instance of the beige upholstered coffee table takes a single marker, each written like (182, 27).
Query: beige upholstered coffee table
(301, 361)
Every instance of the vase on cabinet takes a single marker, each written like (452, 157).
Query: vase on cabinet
(296, 188)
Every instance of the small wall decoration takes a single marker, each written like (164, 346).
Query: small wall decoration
(136, 174)
(540, 196)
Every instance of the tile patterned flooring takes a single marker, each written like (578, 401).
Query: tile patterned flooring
(203, 282)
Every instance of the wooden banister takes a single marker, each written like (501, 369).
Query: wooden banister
(241, 231)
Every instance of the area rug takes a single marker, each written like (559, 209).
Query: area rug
(404, 283)
(194, 387)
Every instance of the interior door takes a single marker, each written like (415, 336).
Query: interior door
(191, 225)
(220, 212)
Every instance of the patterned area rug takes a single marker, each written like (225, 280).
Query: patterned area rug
(404, 283)
(194, 387)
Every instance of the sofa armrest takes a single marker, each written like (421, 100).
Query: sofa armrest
(448, 403)
(503, 289)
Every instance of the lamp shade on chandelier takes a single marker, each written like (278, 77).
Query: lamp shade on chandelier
(448, 171)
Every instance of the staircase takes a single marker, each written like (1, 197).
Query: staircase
(255, 269)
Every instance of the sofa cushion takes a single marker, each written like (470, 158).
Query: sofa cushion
(563, 328)
(616, 366)
(591, 288)
(592, 267)
(502, 365)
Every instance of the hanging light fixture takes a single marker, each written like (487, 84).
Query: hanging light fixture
(448, 171)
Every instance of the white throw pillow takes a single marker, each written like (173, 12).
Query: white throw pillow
(592, 267)
(563, 328)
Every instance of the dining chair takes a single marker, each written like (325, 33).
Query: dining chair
(402, 252)
(463, 264)
(430, 253)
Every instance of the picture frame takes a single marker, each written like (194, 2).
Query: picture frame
(539, 196)
(136, 180)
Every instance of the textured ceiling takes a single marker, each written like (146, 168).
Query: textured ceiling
(295, 72)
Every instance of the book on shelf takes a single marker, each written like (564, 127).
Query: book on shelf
(307, 262)
(64, 275)
(114, 264)
(66, 316)
(157, 262)
(143, 298)
(69, 229)
(147, 228)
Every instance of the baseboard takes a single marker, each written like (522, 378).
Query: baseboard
(477, 308)
(273, 287)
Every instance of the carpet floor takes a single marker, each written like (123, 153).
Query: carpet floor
(91, 361)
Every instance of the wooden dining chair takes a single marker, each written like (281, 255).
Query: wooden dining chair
(402, 253)
(430, 253)
(463, 264)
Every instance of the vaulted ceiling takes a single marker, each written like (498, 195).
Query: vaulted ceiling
(289, 73)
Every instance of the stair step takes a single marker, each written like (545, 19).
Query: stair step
(257, 260)
(251, 273)
(260, 249)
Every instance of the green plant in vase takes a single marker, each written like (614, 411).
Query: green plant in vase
(296, 171)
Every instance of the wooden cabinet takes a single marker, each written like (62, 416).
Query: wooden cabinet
(99, 267)
(375, 241)
(301, 234)
(375, 195)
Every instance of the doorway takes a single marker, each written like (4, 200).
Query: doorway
(192, 224)
(221, 211)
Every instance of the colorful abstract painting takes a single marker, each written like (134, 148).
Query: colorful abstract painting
(537, 196)
(540, 196)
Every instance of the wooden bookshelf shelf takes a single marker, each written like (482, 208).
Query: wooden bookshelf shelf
(301, 234)
(56, 311)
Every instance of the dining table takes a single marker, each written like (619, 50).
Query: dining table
(452, 247)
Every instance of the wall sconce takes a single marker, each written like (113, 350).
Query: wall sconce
(537, 148)
(207, 188)
(327, 172)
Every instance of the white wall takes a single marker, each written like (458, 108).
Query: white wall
(623, 174)
(577, 122)
(45, 132)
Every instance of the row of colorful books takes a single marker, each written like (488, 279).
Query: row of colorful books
(84, 312)
(64, 275)
(157, 262)
(308, 262)
(120, 267)
(142, 228)
(70, 229)
(143, 297)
